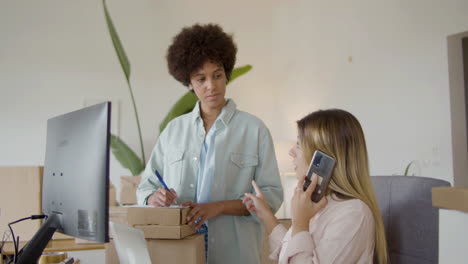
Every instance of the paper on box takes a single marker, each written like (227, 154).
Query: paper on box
(190, 250)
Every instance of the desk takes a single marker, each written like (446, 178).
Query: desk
(62, 245)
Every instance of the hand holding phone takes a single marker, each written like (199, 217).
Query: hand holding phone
(322, 165)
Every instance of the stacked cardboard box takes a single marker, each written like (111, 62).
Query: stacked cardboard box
(166, 232)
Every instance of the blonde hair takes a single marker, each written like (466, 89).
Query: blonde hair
(339, 134)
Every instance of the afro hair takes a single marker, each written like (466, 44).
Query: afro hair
(197, 44)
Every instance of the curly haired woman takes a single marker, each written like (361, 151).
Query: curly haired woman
(211, 155)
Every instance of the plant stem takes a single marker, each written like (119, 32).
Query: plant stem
(138, 122)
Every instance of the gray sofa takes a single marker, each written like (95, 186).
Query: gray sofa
(411, 222)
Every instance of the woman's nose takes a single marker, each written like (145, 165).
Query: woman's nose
(210, 84)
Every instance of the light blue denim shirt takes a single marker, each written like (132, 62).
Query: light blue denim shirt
(243, 152)
(206, 167)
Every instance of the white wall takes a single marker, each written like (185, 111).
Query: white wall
(55, 54)
(396, 84)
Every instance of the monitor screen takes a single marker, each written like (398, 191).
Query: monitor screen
(75, 192)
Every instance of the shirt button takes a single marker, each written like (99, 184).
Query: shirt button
(242, 163)
(195, 158)
(191, 185)
(212, 240)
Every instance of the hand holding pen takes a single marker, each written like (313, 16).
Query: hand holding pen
(162, 196)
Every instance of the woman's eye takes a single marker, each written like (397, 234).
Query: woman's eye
(201, 80)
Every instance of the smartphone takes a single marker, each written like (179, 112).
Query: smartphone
(322, 165)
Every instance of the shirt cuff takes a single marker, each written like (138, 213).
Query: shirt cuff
(145, 202)
(301, 242)
(276, 240)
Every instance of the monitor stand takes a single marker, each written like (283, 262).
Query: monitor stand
(32, 251)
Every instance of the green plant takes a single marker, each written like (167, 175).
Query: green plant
(122, 152)
(125, 155)
(413, 162)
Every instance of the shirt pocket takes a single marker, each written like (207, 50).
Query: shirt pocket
(241, 173)
(244, 160)
(175, 165)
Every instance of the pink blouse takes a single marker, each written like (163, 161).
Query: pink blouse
(342, 232)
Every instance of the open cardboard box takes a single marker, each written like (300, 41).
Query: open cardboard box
(128, 187)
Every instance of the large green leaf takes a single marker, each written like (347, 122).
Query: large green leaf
(117, 44)
(239, 71)
(184, 105)
(187, 102)
(125, 64)
(408, 168)
(125, 155)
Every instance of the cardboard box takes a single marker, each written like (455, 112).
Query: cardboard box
(20, 196)
(455, 198)
(145, 215)
(128, 187)
(190, 250)
(58, 236)
(112, 195)
(164, 232)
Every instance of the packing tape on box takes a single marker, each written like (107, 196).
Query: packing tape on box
(52, 257)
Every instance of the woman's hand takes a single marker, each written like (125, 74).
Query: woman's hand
(257, 203)
(302, 207)
(202, 212)
(162, 197)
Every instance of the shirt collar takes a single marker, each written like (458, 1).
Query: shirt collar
(225, 116)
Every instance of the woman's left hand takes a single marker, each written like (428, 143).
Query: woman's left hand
(302, 207)
(202, 211)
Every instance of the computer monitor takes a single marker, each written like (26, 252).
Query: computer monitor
(75, 192)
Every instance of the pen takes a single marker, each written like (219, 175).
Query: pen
(161, 180)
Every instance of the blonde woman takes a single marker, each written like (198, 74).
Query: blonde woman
(346, 225)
